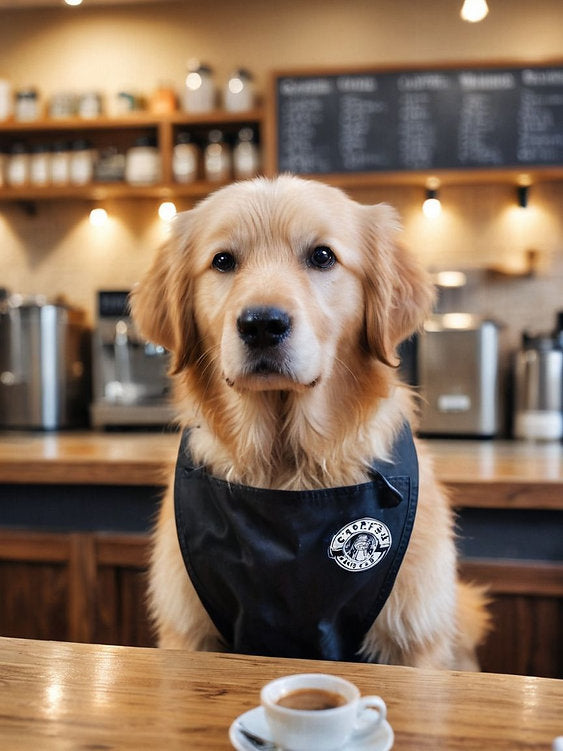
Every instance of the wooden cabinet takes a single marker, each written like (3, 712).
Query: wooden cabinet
(121, 133)
(91, 587)
(79, 586)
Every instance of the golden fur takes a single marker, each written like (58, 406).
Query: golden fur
(336, 404)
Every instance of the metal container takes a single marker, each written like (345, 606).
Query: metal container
(457, 364)
(131, 386)
(44, 370)
(539, 389)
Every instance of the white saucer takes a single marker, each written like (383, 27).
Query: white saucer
(255, 720)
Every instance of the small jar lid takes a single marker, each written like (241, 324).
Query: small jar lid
(216, 136)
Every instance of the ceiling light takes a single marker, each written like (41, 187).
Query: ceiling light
(474, 10)
(432, 208)
(73, 2)
(98, 217)
(167, 211)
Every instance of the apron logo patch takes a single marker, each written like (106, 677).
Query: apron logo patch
(360, 545)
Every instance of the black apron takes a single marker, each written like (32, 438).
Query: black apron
(296, 573)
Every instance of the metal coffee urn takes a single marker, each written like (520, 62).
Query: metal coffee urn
(457, 365)
(539, 387)
(44, 364)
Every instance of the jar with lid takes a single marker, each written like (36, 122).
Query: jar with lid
(185, 159)
(60, 164)
(239, 92)
(217, 158)
(40, 165)
(90, 105)
(199, 93)
(17, 173)
(163, 100)
(27, 105)
(246, 155)
(143, 163)
(81, 169)
(62, 104)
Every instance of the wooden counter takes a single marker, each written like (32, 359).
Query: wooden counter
(75, 696)
(75, 510)
(494, 474)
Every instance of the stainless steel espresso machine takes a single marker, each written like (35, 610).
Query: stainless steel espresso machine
(130, 385)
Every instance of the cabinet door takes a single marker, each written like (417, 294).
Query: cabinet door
(81, 587)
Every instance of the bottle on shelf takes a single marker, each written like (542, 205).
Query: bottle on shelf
(185, 159)
(239, 93)
(199, 93)
(143, 162)
(246, 155)
(17, 172)
(40, 165)
(27, 105)
(82, 157)
(217, 158)
(60, 163)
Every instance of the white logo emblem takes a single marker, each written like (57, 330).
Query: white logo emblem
(360, 545)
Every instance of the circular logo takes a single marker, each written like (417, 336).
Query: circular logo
(360, 545)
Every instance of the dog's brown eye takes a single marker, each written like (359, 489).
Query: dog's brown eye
(224, 262)
(322, 257)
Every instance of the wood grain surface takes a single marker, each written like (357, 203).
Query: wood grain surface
(62, 696)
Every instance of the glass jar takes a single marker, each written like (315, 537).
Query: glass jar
(185, 159)
(40, 165)
(62, 104)
(163, 100)
(27, 105)
(60, 164)
(239, 91)
(143, 163)
(199, 93)
(81, 170)
(17, 173)
(217, 158)
(246, 155)
(90, 105)
(6, 101)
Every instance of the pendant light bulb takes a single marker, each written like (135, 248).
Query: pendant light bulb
(432, 208)
(474, 10)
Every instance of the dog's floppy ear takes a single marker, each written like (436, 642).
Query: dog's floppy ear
(161, 303)
(398, 291)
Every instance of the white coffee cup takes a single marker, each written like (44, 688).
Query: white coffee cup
(325, 729)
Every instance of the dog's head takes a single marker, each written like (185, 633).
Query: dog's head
(270, 281)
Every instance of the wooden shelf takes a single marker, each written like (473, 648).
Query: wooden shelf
(134, 120)
(121, 131)
(107, 191)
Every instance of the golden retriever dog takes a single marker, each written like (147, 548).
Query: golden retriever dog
(282, 303)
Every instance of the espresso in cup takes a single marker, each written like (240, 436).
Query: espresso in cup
(312, 699)
(319, 711)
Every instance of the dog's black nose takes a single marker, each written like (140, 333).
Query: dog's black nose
(263, 326)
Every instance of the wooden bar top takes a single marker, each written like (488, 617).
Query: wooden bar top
(85, 696)
(498, 474)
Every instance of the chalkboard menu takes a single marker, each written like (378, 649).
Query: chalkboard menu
(419, 120)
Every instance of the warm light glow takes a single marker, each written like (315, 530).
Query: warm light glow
(235, 85)
(450, 279)
(73, 2)
(98, 217)
(193, 81)
(167, 211)
(432, 208)
(474, 10)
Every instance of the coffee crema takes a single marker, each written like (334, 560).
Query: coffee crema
(311, 699)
